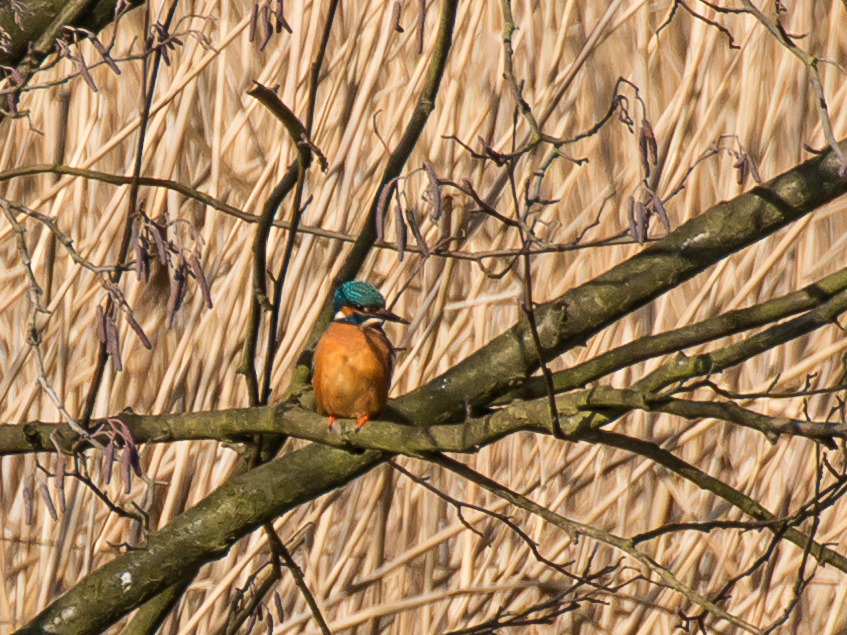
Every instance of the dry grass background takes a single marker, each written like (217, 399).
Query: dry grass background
(432, 575)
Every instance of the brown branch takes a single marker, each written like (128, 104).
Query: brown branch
(811, 64)
(245, 502)
(35, 47)
(148, 88)
(703, 527)
(546, 372)
(720, 9)
(768, 394)
(259, 299)
(34, 336)
(823, 432)
(269, 490)
(421, 25)
(509, 75)
(719, 27)
(241, 613)
(738, 499)
(108, 60)
(279, 549)
(730, 323)
(205, 199)
(530, 543)
(66, 241)
(573, 528)
(802, 582)
(396, 162)
(236, 424)
(296, 211)
(467, 188)
(554, 606)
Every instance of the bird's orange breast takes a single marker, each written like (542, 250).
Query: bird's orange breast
(352, 371)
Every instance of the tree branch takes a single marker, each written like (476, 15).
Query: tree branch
(572, 527)
(396, 162)
(708, 330)
(259, 298)
(752, 508)
(229, 210)
(205, 532)
(572, 318)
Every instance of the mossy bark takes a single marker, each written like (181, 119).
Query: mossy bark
(41, 21)
(240, 506)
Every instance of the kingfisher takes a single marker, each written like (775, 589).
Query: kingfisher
(353, 361)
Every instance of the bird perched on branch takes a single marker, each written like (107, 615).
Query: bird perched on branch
(351, 369)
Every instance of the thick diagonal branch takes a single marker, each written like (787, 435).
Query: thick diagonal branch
(708, 330)
(206, 531)
(572, 318)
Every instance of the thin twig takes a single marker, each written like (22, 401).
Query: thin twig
(114, 179)
(34, 337)
(719, 27)
(296, 211)
(811, 64)
(573, 528)
(148, 87)
(395, 165)
(280, 550)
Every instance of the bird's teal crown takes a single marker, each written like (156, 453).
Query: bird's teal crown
(357, 293)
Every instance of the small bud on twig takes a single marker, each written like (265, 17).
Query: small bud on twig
(92, 37)
(381, 206)
(400, 228)
(142, 259)
(27, 495)
(447, 220)
(113, 344)
(126, 470)
(254, 19)
(59, 481)
(281, 22)
(159, 239)
(416, 232)
(641, 222)
(741, 166)
(279, 612)
(265, 20)
(108, 459)
(433, 191)
(659, 208)
(754, 171)
(395, 18)
(100, 323)
(421, 25)
(48, 501)
(197, 270)
(136, 327)
(636, 220)
(648, 146)
(177, 288)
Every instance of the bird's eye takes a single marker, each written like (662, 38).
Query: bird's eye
(357, 307)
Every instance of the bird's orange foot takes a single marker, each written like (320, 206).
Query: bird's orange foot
(329, 421)
(361, 421)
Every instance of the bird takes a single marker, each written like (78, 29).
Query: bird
(354, 359)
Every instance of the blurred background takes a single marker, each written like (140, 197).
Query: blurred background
(384, 555)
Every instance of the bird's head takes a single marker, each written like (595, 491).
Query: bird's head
(357, 302)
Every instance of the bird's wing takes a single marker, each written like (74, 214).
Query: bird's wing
(389, 347)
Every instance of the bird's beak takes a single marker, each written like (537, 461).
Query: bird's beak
(385, 314)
